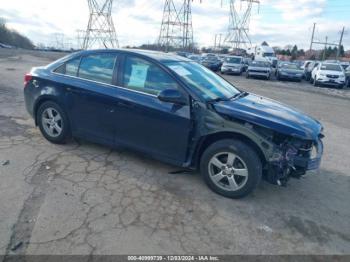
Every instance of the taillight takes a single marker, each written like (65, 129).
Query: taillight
(27, 78)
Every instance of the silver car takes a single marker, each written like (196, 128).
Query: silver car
(258, 68)
(233, 65)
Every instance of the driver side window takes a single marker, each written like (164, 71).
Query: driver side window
(143, 76)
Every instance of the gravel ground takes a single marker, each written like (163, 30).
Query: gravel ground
(83, 198)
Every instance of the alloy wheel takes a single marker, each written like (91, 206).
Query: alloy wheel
(52, 122)
(228, 171)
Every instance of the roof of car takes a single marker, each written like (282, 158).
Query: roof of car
(330, 63)
(156, 55)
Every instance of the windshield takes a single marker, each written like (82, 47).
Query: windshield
(259, 64)
(203, 81)
(290, 66)
(233, 60)
(331, 67)
(211, 58)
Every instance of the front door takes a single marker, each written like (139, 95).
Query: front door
(142, 120)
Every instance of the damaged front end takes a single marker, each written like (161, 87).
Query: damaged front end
(291, 157)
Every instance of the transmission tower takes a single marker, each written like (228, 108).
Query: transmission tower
(171, 28)
(187, 41)
(100, 31)
(238, 30)
(176, 29)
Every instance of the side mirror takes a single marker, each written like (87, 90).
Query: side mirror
(172, 96)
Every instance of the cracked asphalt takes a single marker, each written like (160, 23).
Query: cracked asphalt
(83, 198)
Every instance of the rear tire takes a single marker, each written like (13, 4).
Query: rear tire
(53, 122)
(240, 172)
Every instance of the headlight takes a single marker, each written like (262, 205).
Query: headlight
(341, 76)
(322, 74)
(313, 152)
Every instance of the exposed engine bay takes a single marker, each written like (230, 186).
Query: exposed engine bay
(292, 157)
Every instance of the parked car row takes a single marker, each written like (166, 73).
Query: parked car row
(330, 72)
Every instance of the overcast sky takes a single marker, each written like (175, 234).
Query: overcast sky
(138, 21)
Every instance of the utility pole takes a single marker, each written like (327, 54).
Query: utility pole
(100, 31)
(312, 36)
(237, 35)
(326, 42)
(340, 42)
(325, 48)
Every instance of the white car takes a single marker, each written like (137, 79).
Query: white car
(330, 74)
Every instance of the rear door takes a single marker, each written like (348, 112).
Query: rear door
(142, 120)
(90, 95)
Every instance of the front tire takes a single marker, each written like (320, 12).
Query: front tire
(53, 122)
(231, 168)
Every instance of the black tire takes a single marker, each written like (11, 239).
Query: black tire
(245, 153)
(64, 134)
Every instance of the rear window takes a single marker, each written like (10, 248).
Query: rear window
(259, 64)
(69, 68)
(289, 66)
(98, 67)
(233, 60)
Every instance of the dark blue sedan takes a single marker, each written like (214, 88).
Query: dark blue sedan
(175, 110)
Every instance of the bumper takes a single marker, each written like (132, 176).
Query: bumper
(330, 82)
(258, 74)
(231, 70)
(313, 163)
(212, 67)
(291, 77)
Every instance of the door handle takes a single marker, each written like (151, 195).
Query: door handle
(125, 104)
(72, 90)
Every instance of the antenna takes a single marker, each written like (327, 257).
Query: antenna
(100, 31)
(237, 35)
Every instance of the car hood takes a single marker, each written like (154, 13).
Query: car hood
(259, 68)
(330, 72)
(291, 71)
(271, 114)
(232, 64)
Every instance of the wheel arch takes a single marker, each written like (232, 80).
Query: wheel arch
(209, 139)
(42, 100)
